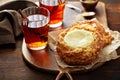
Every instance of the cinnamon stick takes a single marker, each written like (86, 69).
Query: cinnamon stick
(24, 16)
(60, 1)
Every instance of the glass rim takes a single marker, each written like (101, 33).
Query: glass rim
(36, 7)
(59, 3)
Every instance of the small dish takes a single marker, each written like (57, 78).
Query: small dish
(89, 5)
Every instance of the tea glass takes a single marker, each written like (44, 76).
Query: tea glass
(36, 28)
(56, 8)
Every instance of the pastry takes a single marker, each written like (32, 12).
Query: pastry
(80, 44)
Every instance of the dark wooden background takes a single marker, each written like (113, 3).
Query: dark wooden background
(12, 66)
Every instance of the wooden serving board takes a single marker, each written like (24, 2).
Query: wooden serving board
(45, 59)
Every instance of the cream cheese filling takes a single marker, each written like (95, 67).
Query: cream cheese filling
(79, 38)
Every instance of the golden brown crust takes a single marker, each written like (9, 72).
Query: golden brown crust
(83, 55)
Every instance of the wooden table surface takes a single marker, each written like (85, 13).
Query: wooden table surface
(12, 66)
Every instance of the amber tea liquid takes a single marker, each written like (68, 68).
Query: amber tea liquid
(56, 9)
(36, 31)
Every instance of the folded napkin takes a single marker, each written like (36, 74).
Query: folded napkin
(10, 26)
(10, 20)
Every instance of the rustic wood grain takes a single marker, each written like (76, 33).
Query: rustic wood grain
(12, 66)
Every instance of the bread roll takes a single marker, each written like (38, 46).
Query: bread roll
(81, 42)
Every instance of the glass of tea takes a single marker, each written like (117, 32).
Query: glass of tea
(36, 27)
(56, 8)
(89, 5)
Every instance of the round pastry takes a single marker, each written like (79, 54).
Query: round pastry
(81, 42)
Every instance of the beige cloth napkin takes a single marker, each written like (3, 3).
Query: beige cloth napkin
(10, 26)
